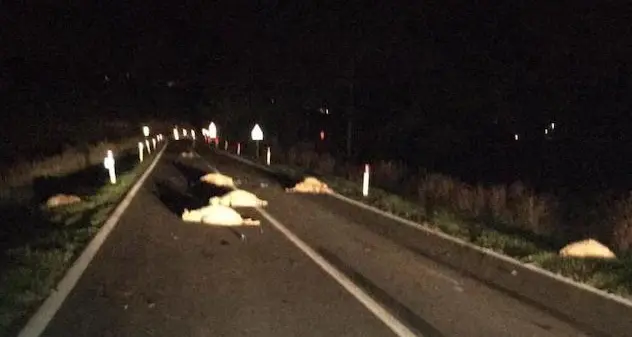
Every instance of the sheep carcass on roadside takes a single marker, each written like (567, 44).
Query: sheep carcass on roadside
(310, 185)
(238, 198)
(61, 200)
(587, 248)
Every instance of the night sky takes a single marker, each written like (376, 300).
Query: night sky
(449, 67)
(521, 62)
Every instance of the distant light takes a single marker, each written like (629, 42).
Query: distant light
(546, 131)
(326, 111)
(552, 126)
(516, 136)
(322, 135)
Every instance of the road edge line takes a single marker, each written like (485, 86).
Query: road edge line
(486, 251)
(418, 226)
(379, 311)
(45, 313)
(360, 295)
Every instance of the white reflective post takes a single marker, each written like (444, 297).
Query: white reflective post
(225, 145)
(365, 181)
(153, 140)
(176, 136)
(238, 149)
(147, 146)
(140, 151)
(108, 163)
(268, 157)
(257, 135)
(193, 134)
(212, 130)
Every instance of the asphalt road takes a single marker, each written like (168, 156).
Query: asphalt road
(159, 276)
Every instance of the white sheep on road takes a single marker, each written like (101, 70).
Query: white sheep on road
(218, 179)
(238, 198)
(218, 215)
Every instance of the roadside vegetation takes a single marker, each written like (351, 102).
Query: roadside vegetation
(72, 159)
(509, 219)
(38, 244)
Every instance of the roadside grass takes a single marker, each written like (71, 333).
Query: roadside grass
(67, 162)
(523, 234)
(614, 276)
(40, 244)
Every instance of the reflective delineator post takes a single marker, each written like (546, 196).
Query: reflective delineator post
(140, 151)
(193, 134)
(225, 145)
(147, 146)
(238, 149)
(176, 136)
(153, 140)
(108, 162)
(365, 181)
(268, 157)
(257, 149)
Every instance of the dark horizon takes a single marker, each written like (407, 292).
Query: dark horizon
(454, 78)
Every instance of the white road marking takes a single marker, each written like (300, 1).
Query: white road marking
(39, 321)
(518, 264)
(379, 311)
(399, 328)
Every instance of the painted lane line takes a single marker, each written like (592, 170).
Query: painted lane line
(42, 317)
(399, 328)
(517, 264)
(440, 275)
